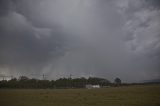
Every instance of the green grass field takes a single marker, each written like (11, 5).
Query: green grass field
(148, 95)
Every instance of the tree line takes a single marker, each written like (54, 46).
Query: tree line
(25, 82)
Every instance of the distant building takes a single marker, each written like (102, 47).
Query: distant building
(89, 86)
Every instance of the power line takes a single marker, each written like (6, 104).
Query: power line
(4, 77)
(43, 76)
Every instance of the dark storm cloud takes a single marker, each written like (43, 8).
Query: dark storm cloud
(5, 6)
(82, 37)
(154, 3)
(24, 45)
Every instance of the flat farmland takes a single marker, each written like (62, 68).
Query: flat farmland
(141, 95)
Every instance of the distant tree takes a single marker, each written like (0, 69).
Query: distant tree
(12, 83)
(3, 84)
(27, 83)
(23, 82)
(105, 82)
(117, 81)
(99, 81)
(23, 78)
(79, 82)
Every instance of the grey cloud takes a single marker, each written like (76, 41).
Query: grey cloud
(83, 37)
(23, 45)
(6, 6)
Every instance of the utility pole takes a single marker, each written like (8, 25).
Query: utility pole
(70, 76)
(4, 77)
(43, 76)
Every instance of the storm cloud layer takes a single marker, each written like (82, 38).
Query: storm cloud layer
(104, 38)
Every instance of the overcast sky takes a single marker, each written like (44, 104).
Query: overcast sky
(98, 38)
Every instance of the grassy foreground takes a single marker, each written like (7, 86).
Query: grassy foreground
(148, 95)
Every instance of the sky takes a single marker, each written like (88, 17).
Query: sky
(85, 38)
